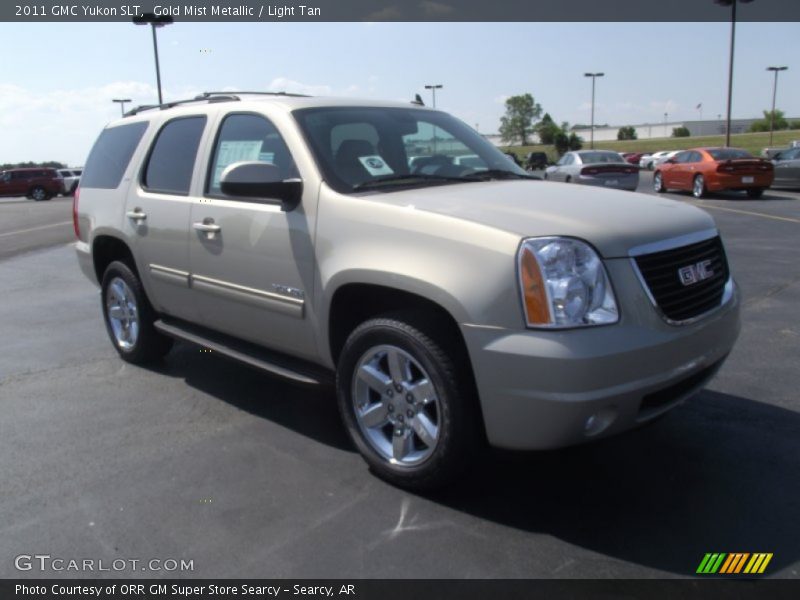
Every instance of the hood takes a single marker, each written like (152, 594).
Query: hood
(612, 221)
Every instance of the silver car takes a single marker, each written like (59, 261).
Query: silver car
(595, 167)
(451, 304)
(787, 168)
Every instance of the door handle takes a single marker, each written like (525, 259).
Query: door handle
(208, 227)
(136, 214)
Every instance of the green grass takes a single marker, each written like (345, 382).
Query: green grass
(752, 142)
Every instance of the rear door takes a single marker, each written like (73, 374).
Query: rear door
(157, 213)
(252, 263)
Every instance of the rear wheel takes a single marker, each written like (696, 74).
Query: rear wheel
(699, 187)
(658, 183)
(39, 193)
(413, 420)
(755, 193)
(129, 317)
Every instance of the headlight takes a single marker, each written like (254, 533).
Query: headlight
(564, 284)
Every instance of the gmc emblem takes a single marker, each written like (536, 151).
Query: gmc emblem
(696, 273)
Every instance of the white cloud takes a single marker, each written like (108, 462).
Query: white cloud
(63, 124)
(284, 84)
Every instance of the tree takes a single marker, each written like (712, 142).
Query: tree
(681, 132)
(518, 122)
(564, 141)
(763, 124)
(627, 133)
(546, 129)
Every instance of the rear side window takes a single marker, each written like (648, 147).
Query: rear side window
(169, 168)
(111, 154)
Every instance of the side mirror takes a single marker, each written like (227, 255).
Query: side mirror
(253, 179)
(670, 161)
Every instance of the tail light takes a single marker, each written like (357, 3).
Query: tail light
(75, 225)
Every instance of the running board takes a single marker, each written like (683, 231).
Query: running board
(250, 354)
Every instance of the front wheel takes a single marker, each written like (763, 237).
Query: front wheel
(658, 183)
(403, 405)
(755, 194)
(699, 187)
(129, 317)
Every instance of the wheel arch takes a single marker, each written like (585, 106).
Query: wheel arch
(106, 249)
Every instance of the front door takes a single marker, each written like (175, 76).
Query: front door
(252, 263)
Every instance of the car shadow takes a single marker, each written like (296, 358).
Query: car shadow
(718, 474)
(770, 195)
(309, 410)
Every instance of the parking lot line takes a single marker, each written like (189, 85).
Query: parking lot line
(61, 224)
(745, 212)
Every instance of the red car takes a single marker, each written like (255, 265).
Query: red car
(703, 170)
(38, 183)
(634, 157)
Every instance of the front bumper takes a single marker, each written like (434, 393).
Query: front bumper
(548, 389)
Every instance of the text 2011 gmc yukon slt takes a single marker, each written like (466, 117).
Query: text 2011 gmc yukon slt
(455, 301)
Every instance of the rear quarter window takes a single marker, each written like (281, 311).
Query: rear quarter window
(171, 162)
(111, 154)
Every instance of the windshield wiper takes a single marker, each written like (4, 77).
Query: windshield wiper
(497, 174)
(406, 178)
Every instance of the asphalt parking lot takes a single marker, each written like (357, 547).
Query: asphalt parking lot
(247, 476)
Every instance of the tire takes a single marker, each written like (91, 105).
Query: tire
(129, 317)
(699, 187)
(568, 179)
(658, 183)
(411, 416)
(545, 175)
(755, 194)
(38, 194)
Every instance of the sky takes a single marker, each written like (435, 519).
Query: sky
(58, 79)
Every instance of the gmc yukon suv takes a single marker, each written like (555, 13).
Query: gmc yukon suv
(453, 302)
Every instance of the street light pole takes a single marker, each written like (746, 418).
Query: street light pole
(154, 21)
(433, 89)
(122, 102)
(665, 123)
(732, 4)
(776, 70)
(594, 76)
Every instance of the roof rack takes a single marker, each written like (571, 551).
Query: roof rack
(209, 97)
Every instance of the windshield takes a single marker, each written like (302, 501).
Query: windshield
(728, 153)
(381, 149)
(589, 158)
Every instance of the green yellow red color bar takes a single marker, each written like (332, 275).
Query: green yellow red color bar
(734, 563)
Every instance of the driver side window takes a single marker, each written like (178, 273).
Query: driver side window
(247, 137)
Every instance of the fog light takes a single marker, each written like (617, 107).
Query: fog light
(599, 421)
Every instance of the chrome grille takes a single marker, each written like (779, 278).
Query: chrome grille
(680, 301)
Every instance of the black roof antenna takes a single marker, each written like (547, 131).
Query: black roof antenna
(418, 100)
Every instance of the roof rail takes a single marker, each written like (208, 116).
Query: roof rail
(206, 97)
(236, 93)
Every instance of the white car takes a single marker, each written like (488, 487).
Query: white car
(647, 162)
(72, 178)
(666, 157)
